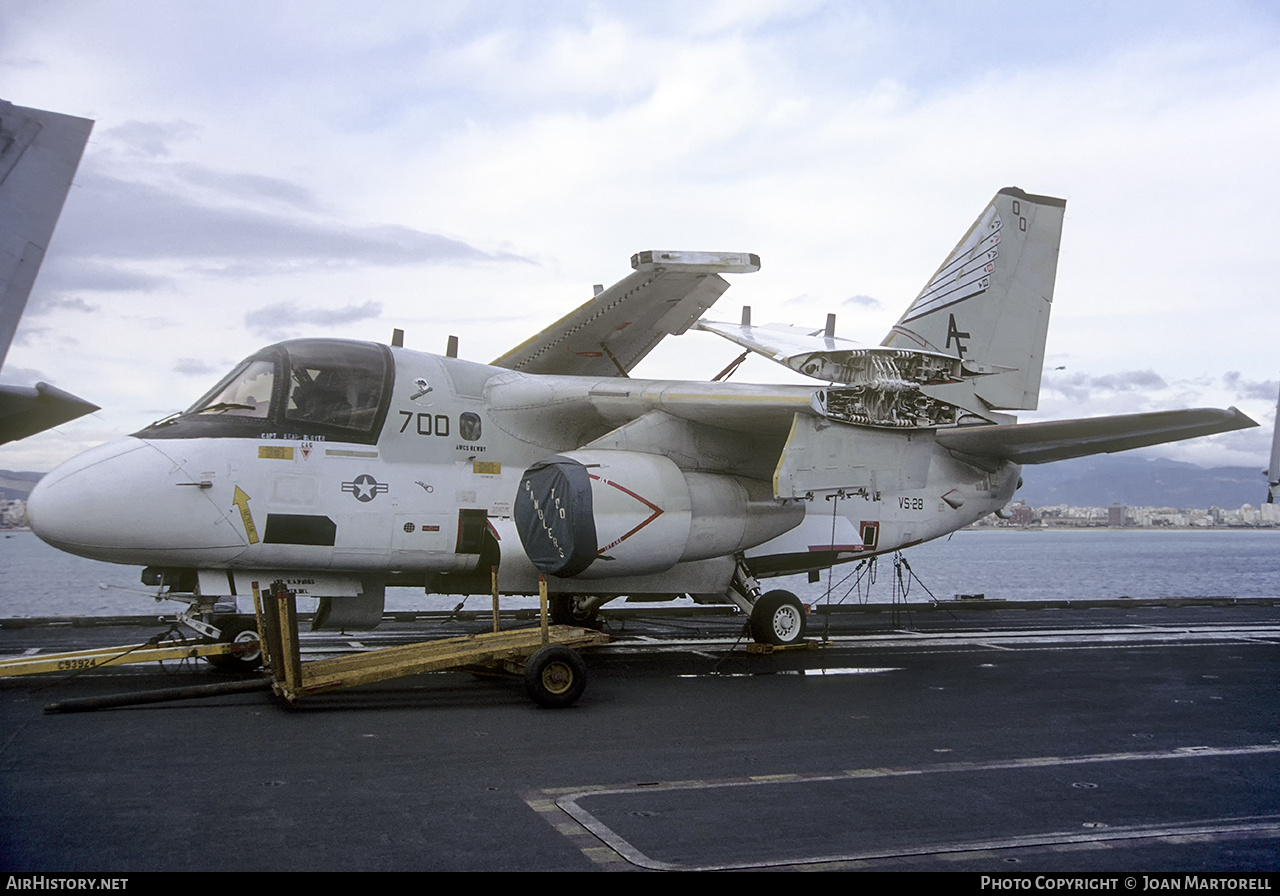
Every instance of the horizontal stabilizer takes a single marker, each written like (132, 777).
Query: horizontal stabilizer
(615, 330)
(1038, 443)
(26, 410)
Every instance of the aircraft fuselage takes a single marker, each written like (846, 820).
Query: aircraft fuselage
(413, 473)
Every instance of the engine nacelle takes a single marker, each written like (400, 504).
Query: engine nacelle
(599, 514)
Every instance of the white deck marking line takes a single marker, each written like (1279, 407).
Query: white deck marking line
(569, 804)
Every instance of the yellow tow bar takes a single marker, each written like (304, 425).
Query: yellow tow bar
(79, 660)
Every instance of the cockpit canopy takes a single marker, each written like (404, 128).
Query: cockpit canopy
(329, 389)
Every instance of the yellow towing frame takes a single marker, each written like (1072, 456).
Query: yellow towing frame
(554, 674)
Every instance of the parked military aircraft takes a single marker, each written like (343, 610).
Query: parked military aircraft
(1273, 467)
(342, 467)
(39, 154)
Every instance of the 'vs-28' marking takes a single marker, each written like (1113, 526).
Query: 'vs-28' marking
(911, 503)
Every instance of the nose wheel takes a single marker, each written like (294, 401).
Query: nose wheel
(778, 618)
(241, 632)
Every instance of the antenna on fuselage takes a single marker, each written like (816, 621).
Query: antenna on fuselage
(451, 350)
(397, 338)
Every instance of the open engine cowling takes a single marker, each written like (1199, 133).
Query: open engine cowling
(598, 514)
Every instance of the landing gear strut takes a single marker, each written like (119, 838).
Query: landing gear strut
(573, 609)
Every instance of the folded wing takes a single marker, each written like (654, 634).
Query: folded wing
(612, 333)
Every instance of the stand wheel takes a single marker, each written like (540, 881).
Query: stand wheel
(555, 676)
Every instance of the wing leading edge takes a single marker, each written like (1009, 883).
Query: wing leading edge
(610, 334)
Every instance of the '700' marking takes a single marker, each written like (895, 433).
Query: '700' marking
(427, 424)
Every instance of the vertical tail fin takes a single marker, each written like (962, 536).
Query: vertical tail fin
(1273, 468)
(989, 303)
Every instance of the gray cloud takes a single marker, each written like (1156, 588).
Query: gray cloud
(194, 367)
(1082, 386)
(247, 187)
(151, 138)
(45, 301)
(233, 234)
(862, 302)
(279, 320)
(23, 376)
(64, 273)
(1263, 390)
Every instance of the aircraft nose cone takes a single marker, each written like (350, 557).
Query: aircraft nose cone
(122, 502)
(72, 506)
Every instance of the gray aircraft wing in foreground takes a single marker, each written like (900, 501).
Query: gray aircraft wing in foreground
(39, 154)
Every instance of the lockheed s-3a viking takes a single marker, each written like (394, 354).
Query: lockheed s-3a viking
(342, 467)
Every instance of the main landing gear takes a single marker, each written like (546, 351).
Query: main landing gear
(776, 618)
(574, 609)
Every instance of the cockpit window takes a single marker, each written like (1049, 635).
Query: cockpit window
(339, 388)
(245, 393)
(304, 389)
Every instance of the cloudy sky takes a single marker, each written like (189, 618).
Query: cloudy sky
(264, 171)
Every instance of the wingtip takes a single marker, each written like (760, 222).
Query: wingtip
(1240, 417)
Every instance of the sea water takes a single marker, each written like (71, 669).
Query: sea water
(1054, 564)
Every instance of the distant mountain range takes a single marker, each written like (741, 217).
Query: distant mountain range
(15, 486)
(1107, 479)
(1086, 482)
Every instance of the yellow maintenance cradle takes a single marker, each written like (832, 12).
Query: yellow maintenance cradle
(554, 674)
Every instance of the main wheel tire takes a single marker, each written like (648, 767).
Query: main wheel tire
(778, 618)
(555, 676)
(570, 609)
(242, 632)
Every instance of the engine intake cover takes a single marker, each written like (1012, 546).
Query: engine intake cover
(554, 518)
(606, 513)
